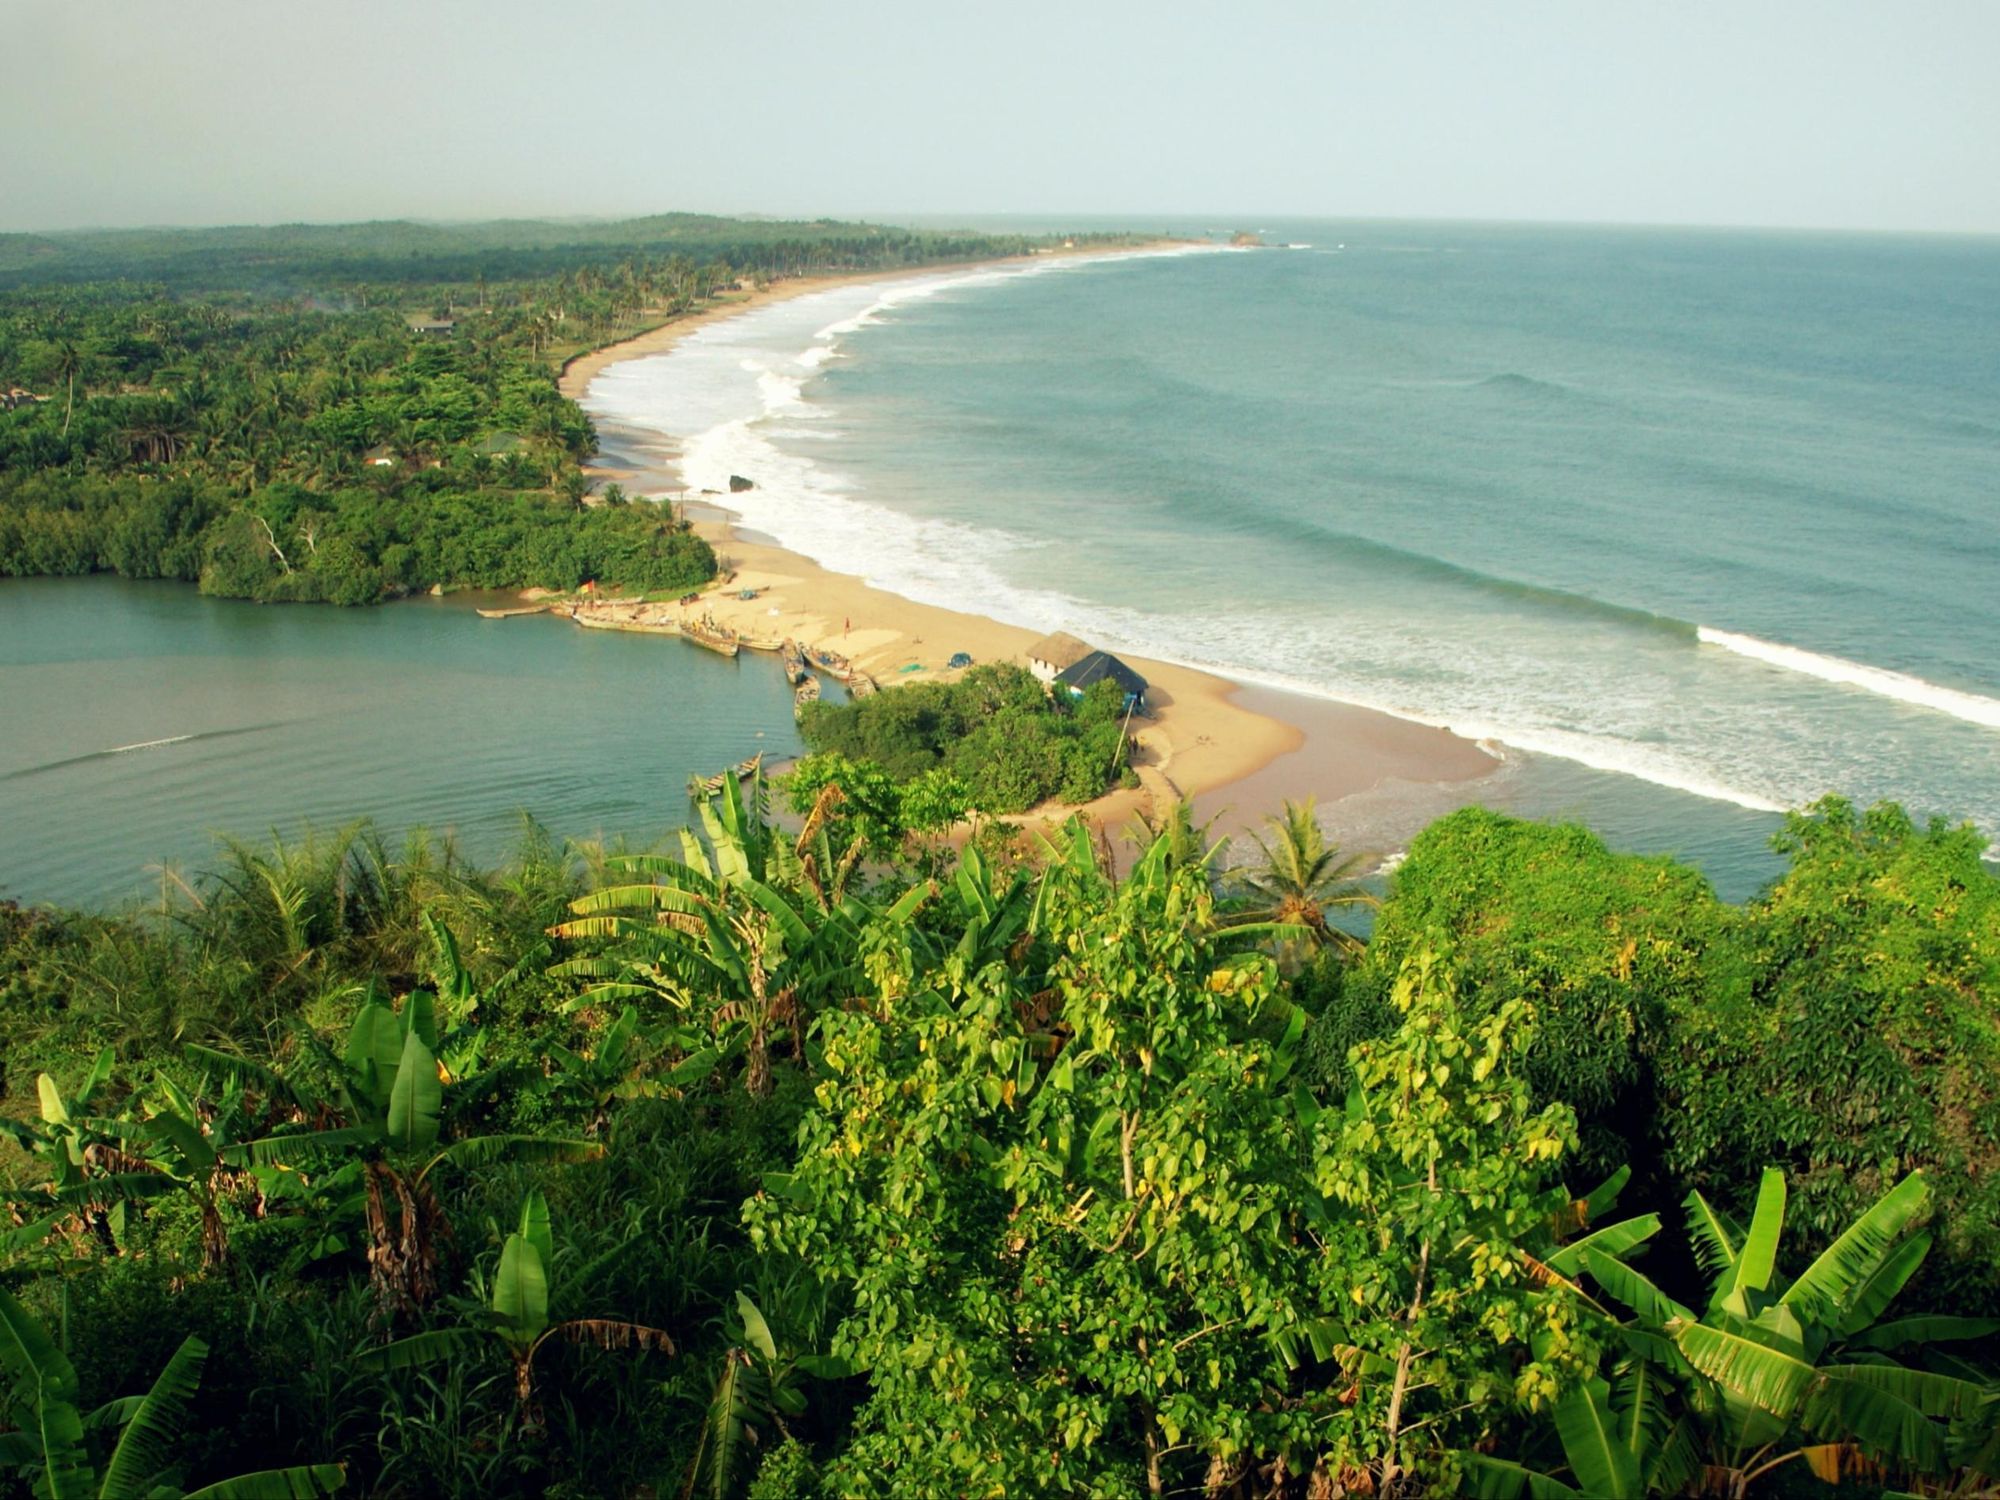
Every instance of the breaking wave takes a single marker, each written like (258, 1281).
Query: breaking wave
(1902, 687)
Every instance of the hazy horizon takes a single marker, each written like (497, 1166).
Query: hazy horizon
(1180, 222)
(1833, 116)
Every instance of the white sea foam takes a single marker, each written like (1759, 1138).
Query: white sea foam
(1879, 680)
(173, 739)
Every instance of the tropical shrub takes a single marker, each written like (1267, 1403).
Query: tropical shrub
(1866, 1044)
(996, 729)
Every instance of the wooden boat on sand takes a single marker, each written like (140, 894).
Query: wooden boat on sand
(632, 623)
(860, 684)
(717, 638)
(831, 662)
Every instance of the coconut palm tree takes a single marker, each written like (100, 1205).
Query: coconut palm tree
(1297, 876)
(69, 365)
(1188, 842)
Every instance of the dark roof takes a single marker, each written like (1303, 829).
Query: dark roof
(1059, 650)
(1097, 666)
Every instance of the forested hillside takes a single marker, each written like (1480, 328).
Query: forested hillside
(841, 1162)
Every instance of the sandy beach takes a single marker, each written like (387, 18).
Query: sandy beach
(1200, 741)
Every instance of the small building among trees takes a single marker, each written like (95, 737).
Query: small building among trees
(1049, 657)
(1101, 666)
(433, 328)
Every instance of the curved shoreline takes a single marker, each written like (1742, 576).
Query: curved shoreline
(1201, 741)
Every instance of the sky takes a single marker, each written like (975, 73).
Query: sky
(1800, 113)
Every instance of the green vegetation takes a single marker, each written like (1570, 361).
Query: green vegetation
(254, 409)
(1843, 1026)
(996, 730)
(288, 259)
(823, 1161)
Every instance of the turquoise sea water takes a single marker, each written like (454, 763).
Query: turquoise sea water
(1697, 525)
(139, 720)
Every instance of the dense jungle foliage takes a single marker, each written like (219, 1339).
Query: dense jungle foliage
(838, 1160)
(288, 258)
(996, 729)
(258, 409)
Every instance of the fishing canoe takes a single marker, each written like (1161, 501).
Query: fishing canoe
(717, 638)
(708, 786)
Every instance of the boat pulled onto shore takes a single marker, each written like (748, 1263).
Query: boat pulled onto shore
(718, 638)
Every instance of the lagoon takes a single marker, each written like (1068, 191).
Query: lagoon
(140, 721)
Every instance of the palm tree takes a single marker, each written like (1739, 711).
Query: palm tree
(1298, 875)
(1187, 841)
(69, 365)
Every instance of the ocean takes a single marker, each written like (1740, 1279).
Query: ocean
(1692, 526)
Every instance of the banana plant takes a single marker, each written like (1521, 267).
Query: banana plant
(621, 1066)
(53, 1440)
(389, 1111)
(197, 1151)
(517, 1312)
(1773, 1370)
(759, 1386)
(89, 1180)
(732, 935)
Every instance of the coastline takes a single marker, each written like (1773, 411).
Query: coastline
(574, 378)
(1202, 741)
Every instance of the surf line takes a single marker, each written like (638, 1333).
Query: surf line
(1884, 683)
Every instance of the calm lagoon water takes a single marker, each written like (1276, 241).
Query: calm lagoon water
(139, 720)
